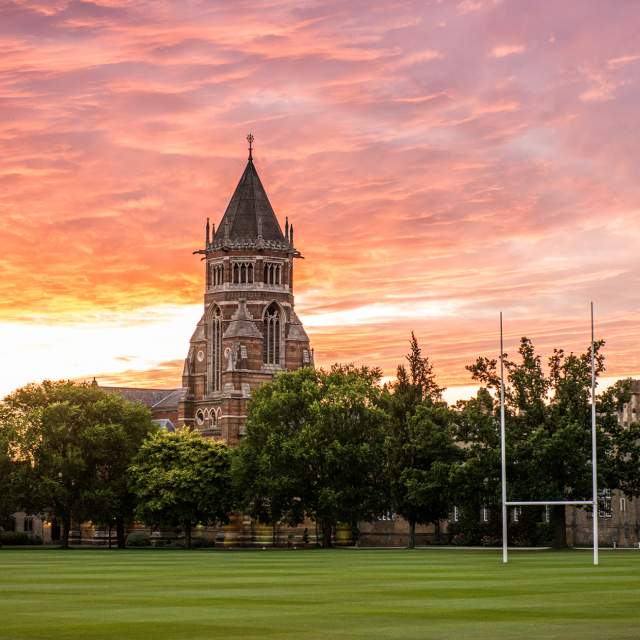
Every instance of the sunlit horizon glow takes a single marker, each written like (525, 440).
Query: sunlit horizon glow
(440, 161)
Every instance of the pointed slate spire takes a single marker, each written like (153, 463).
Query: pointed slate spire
(249, 214)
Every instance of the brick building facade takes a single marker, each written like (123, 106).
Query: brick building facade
(249, 330)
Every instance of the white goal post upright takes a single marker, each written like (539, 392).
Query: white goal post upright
(594, 460)
(503, 452)
(503, 458)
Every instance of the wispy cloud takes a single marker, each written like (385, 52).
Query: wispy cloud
(440, 161)
(504, 50)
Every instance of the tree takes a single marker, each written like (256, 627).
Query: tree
(114, 442)
(314, 447)
(476, 480)
(345, 447)
(421, 374)
(422, 458)
(420, 449)
(11, 468)
(75, 442)
(548, 427)
(182, 479)
(269, 472)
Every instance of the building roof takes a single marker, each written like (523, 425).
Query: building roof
(249, 218)
(152, 398)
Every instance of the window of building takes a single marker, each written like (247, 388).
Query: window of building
(623, 504)
(604, 504)
(389, 516)
(305, 356)
(217, 274)
(516, 514)
(243, 351)
(273, 273)
(28, 524)
(484, 514)
(547, 513)
(271, 335)
(242, 272)
(215, 349)
(455, 514)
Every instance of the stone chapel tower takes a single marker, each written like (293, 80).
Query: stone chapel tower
(249, 330)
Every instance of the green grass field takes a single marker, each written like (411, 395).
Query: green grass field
(433, 593)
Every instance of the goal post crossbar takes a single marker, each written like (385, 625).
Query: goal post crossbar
(533, 503)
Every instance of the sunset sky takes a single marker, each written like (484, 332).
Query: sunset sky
(440, 161)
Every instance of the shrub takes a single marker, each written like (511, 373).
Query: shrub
(459, 539)
(20, 538)
(138, 539)
(201, 543)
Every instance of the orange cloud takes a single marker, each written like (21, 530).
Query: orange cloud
(430, 184)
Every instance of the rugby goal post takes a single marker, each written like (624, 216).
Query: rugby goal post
(503, 458)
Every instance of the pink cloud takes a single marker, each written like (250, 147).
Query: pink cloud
(420, 171)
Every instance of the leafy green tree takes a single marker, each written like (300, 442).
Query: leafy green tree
(314, 447)
(269, 472)
(113, 442)
(548, 427)
(421, 374)
(476, 480)
(345, 448)
(11, 468)
(182, 479)
(422, 458)
(420, 449)
(74, 442)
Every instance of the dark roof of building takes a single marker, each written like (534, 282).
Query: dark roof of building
(249, 217)
(152, 398)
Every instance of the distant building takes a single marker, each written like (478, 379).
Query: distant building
(618, 514)
(163, 403)
(631, 410)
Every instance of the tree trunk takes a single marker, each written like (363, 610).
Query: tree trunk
(66, 528)
(187, 532)
(559, 525)
(412, 534)
(120, 533)
(327, 531)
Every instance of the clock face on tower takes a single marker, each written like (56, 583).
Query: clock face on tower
(200, 355)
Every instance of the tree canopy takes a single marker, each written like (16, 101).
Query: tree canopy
(315, 447)
(182, 479)
(73, 443)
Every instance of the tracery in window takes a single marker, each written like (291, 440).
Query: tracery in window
(271, 335)
(215, 349)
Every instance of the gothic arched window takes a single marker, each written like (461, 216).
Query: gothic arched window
(271, 335)
(215, 349)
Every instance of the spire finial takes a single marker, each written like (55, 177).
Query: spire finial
(250, 139)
